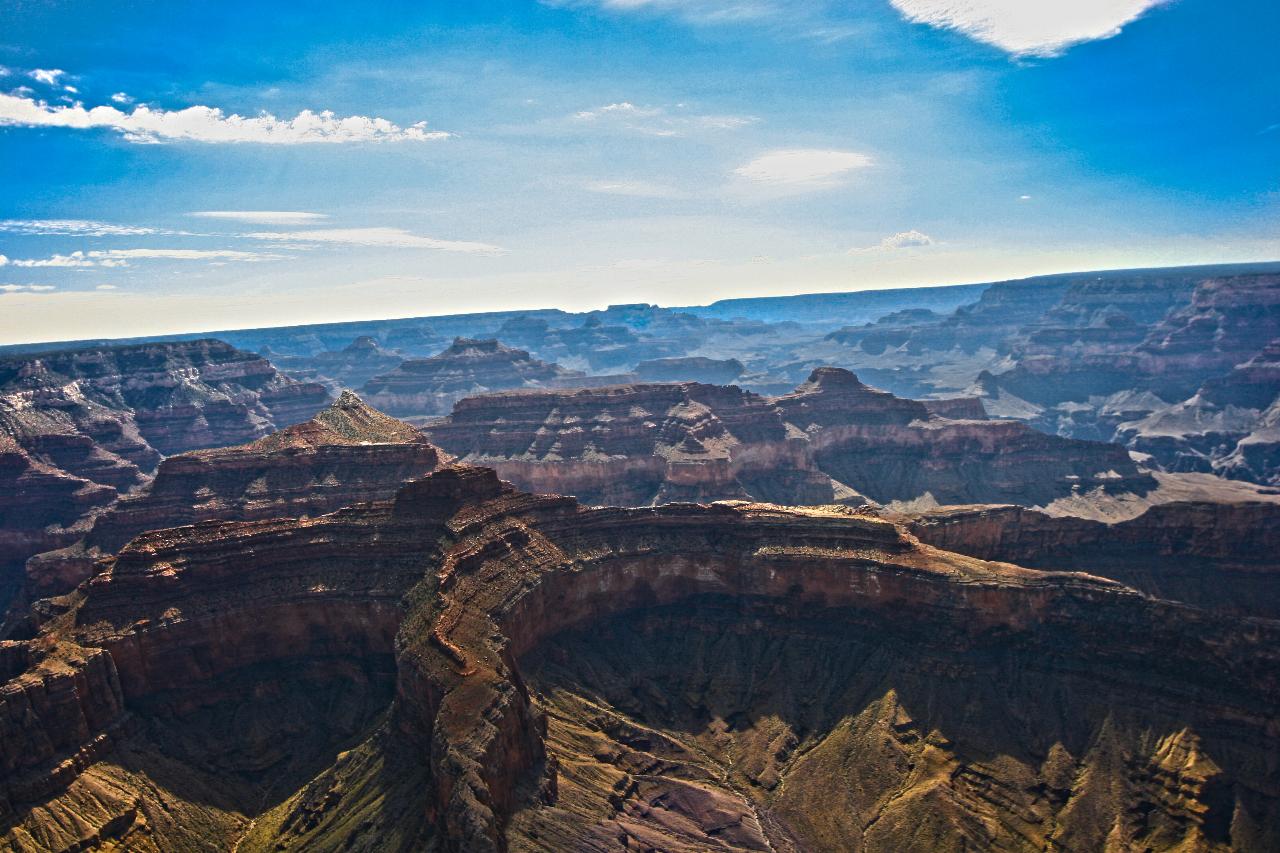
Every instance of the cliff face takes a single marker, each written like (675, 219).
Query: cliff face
(103, 418)
(39, 508)
(1219, 556)
(834, 438)
(907, 690)
(346, 454)
(429, 386)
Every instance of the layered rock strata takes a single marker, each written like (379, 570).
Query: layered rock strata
(103, 418)
(346, 454)
(833, 438)
(899, 690)
(1219, 556)
(429, 386)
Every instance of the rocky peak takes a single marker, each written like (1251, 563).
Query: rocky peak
(363, 344)
(824, 379)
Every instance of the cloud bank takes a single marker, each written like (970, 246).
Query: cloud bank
(211, 125)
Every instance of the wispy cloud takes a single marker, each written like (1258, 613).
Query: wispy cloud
(1020, 27)
(902, 240)
(106, 287)
(396, 238)
(72, 227)
(122, 257)
(637, 189)
(263, 217)
(26, 288)
(210, 124)
(803, 168)
(659, 121)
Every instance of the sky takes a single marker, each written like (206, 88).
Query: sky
(171, 167)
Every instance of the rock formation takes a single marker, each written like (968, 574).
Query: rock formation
(40, 506)
(833, 438)
(88, 423)
(430, 386)
(346, 454)
(636, 444)
(711, 371)
(350, 367)
(736, 676)
(1218, 556)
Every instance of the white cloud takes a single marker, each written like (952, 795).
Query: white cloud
(660, 121)
(1024, 198)
(1028, 27)
(122, 257)
(637, 189)
(209, 124)
(29, 288)
(121, 98)
(47, 76)
(396, 238)
(803, 168)
(106, 287)
(76, 227)
(902, 240)
(263, 217)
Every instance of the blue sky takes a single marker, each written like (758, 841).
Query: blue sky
(422, 158)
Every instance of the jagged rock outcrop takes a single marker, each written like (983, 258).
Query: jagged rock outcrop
(833, 438)
(736, 676)
(346, 454)
(430, 386)
(1219, 556)
(103, 418)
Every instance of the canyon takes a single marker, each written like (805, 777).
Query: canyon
(983, 567)
(556, 677)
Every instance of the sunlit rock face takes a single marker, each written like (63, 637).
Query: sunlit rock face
(468, 667)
